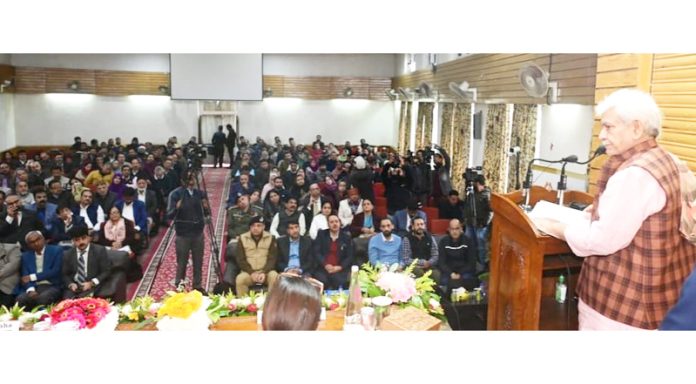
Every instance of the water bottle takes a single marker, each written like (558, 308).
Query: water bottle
(561, 289)
(353, 318)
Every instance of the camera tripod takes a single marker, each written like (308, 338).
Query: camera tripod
(198, 176)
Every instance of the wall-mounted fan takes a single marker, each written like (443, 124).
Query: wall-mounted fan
(535, 82)
(463, 91)
(425, 90)
(406, 93)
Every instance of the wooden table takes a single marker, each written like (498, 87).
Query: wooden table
(333, 322)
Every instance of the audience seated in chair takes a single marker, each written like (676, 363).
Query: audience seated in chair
(295, 252)
(421, 246)
(333, 253)
(457, 261)
(41, 272)
(385, 248)
(257, 253)
(86, 266)
(10, 264)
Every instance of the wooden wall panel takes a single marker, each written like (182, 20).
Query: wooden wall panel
(671, 79)
(121, 83)
(495, 76)
(7, 72)
(674, 89)
(57, 80)
(615, 71)
(30, 80)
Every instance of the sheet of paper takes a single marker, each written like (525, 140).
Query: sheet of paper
(547, 210)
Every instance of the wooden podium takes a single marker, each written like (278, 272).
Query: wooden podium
(520, 296)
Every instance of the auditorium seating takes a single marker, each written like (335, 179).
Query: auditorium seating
(438, 226)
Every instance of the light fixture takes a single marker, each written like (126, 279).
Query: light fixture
(268, 92)
(163, 89)
(348, 92)
(74, 85)
(391, 94)
(5, 84)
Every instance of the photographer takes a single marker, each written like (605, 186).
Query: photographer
(477, 213)
(422, 175)
(441, 179)
(397, 182)
(188, 207)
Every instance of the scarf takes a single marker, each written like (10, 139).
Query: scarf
(115, 232)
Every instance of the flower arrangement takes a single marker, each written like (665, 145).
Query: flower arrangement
(334, 301)
(141, 310)
(229, 305)
(401, 287)
(183, 311)
(17, 313)
(88, 312)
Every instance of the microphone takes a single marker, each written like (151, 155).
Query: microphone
(598, 152)
(570, 159)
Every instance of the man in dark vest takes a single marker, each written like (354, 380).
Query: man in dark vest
(187, 208)
(635, 259)
(421, 246)
(284, 216)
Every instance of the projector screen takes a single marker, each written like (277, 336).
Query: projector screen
(216, 76)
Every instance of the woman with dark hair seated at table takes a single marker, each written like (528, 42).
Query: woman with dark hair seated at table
(117, 232)
(365, 223)
(294, 304)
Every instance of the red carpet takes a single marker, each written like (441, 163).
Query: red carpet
(160, 264)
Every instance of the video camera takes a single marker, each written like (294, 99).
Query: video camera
(471, 173)
(195, 153)
(427, 154)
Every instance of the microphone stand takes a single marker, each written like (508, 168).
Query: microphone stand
(562, 184)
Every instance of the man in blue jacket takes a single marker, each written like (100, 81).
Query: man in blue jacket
(134, 210)
(45, 211)
(683, 315)
(41, 270)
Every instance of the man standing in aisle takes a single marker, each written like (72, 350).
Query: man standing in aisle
(231, 140)
(218, 147)
(188, 207)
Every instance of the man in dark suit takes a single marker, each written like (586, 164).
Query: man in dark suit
(63, 223)
(85, 266)
(16, 222)
(41, 272)
(312, 203)
(333, 255)
(295, 252)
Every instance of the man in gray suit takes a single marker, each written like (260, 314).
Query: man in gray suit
(10, 261)
(85, 266)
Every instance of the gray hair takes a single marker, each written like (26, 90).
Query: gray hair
(634, 105)
(31, 233)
